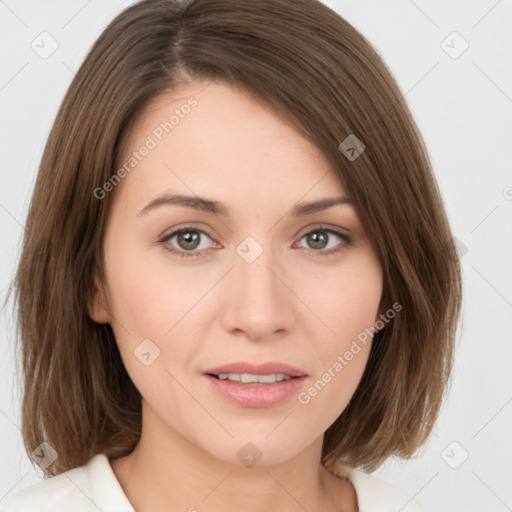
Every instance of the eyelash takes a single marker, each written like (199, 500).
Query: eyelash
(347, 241)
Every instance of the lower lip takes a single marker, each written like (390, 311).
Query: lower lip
(253, 394)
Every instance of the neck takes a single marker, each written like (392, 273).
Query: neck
(166, 472)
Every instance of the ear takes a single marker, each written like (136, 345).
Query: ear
(98, 306)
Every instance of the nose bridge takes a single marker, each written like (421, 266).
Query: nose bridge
(258, 302)
(253, 269)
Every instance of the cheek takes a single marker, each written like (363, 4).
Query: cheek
(347, 300)
(149, 294)
(342, 359)
(330, 391)
(350, 312)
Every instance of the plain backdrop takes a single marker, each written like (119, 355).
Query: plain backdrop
(452, 62)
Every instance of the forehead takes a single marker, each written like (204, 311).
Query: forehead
(211, 139)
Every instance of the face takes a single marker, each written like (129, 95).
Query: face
(246, 279)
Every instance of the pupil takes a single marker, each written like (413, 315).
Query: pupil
(189, 238)
(316, 238)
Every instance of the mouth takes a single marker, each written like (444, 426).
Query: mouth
(249, 385)
(249, 378)
(251, 372)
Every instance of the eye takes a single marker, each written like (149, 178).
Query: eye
(318, 240)
(188, 240)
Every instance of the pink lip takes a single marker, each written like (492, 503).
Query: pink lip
(255, 394)
(257, 369)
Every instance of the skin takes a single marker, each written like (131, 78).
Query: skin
(290, 305)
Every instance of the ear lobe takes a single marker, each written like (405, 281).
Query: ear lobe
(98, 307)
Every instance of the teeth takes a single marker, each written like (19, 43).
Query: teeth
(249, 377)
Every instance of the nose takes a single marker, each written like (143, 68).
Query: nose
(259, 301)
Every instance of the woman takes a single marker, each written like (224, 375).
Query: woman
(238, 285)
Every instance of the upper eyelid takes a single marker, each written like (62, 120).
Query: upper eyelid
(320, 226)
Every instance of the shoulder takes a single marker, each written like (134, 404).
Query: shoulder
(83, 489)
(55, 493)
(375, 494)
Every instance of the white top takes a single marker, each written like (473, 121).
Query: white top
(94, 487)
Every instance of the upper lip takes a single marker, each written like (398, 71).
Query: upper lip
(268, 368)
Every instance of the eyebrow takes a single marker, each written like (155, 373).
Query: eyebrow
(217, 208)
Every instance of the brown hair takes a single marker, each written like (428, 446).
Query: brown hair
(325, 79)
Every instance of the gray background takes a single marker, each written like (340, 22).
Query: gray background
(463, 105)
